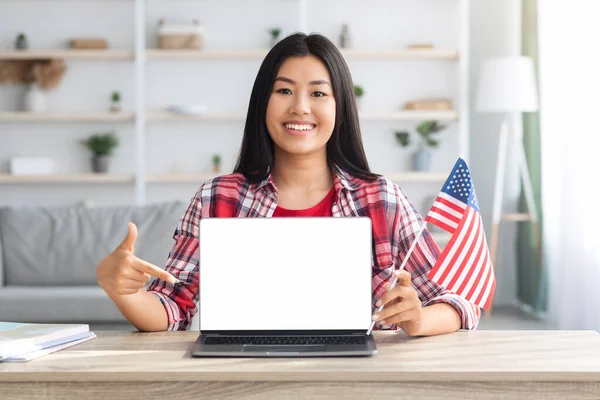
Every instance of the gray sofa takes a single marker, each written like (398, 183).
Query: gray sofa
(48, 257)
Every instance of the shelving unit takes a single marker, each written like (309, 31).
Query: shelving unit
(141, 56)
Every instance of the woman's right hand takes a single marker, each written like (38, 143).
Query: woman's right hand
(122, 273)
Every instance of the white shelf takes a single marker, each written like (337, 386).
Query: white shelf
(416, 176)
(433, 54)
(199, 177)
(258, 54)
(409, 115)
(165, 116)
(241, 54)
(67, 54)
(405, 115)
(67, 178)
(250, 54)
(182, 177)
(65, 117)
(169, 116)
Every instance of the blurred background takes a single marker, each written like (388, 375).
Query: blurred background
(117, 110)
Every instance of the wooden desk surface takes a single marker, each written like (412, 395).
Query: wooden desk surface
(570, 359)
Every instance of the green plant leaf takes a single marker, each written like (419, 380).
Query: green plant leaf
(403, 138)
(424, 127)
(358, 90)
(101, 144)
(432, 142)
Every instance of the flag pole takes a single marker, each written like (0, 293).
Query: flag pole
(412, 247)
(395, 281)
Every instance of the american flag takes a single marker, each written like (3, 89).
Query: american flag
(464, 267)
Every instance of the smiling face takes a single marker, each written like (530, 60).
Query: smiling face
(301, 109)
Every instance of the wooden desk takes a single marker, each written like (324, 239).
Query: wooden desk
(480, 364)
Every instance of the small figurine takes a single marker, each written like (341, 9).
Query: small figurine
(21, 42)
(345, 40)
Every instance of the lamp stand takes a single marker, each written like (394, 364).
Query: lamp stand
(498, 216)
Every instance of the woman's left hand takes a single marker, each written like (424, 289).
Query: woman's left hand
(402, 306)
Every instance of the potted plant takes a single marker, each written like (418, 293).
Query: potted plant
(275, 32)
(422, 156)
(359, 93)
(216, 161)
(101, 145)
(115, 105)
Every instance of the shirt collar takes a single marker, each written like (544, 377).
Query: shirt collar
(342, 179)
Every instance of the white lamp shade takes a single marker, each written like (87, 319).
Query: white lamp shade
(507, 84)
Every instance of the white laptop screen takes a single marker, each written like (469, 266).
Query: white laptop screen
(285, 273)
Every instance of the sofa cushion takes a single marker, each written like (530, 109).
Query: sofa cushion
(62, 304)
(61, 246)
(1, 262)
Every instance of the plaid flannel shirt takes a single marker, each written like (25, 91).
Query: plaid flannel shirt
(395, 225)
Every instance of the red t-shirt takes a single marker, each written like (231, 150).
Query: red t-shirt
(323, 209)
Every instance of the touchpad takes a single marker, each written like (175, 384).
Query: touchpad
(283, 348)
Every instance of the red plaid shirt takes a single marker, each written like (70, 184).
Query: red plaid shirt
(395, 224)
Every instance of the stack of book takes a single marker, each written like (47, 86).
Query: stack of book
(23, 342)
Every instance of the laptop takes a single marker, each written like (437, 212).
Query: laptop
(285, 287)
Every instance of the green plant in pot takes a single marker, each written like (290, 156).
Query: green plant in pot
(115, 102)
(216, 161)
(359, 92)
(426, 141)
(102, 146)
(274, 32)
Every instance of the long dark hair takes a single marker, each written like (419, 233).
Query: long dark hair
(344, 148)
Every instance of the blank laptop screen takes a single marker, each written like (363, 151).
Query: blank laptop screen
(285, 273)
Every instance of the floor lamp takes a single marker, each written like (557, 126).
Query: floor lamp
(507, 85)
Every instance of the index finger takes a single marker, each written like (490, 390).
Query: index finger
(144, 266)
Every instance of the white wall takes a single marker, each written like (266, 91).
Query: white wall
(495, 31)
(226, 85)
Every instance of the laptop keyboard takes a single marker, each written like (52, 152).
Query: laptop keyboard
(284, 340)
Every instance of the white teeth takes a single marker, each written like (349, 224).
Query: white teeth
(299, 127)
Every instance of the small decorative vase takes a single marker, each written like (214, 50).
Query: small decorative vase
(35, 99)
(216, 168)
(115, 107)
(274, 40)
(345, 40)
(421, 160)
(100, 164)
(359, 102)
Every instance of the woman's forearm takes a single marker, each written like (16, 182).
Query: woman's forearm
(438, 319)
(144, 310)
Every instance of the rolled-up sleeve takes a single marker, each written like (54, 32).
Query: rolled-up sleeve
(407, 225)
(180, 300)
(469, 312)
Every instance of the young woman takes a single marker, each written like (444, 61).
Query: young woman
(301, 155)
